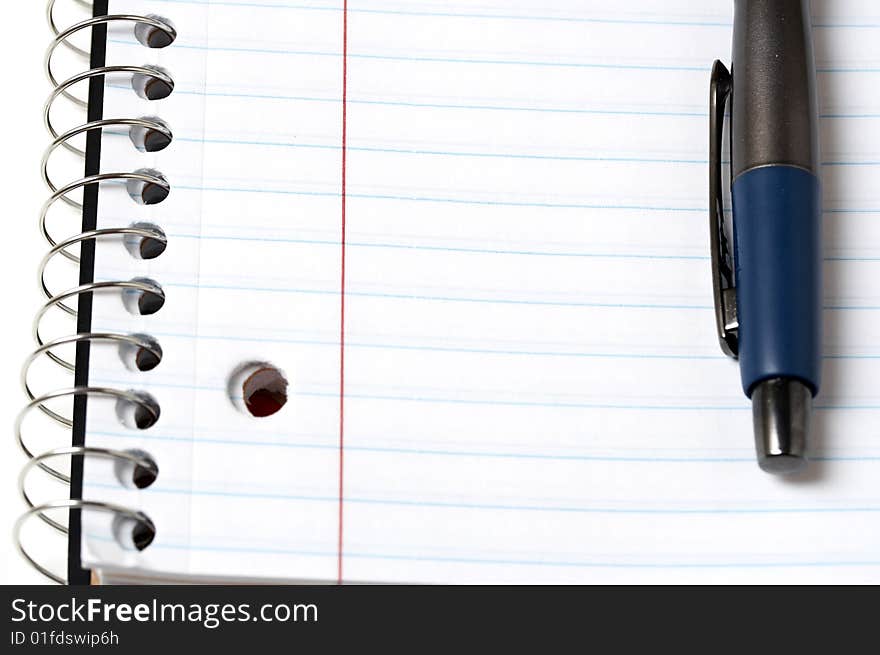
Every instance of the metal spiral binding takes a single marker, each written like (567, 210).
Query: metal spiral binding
(141, 521)
(163, 34)
(77, 451)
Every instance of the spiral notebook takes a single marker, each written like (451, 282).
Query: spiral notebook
(473, 240)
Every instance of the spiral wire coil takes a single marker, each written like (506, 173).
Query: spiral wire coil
(145, 186)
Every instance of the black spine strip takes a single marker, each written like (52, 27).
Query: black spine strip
(76, 574)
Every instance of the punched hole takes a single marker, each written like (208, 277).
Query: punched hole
(142, 247)
(150, 139)
(142, 535)
(155, 37)
(141, 357)
(264, 392)
(138, 475)
(133, 534)
(138, 415)
(148, 193)
(258, 389)
(153, 87)
(147, 360)
(144, 303)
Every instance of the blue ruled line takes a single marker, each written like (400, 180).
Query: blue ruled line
(456, 201)
(491, 203)
(659, 22)
(427, 247)
(470, 107)
(438, 60)
(446, 14)
(478, 351)
(334, 554)
(477, 401)
(704, 68)
(481, 251)
(479, 155)
(506, 403)
(452, 349)
(500, 301)
(404, 296)
(333, 445)
(444, 153)
(502, 507)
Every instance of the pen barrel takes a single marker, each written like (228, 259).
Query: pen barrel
(774, 113)
(776, 193)
(778, 255)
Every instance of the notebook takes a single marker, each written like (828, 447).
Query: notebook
(462, 249)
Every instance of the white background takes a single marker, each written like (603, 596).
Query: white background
(25, 88)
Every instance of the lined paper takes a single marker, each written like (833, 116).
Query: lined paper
(516, 378)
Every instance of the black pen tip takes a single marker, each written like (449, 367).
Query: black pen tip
(781, 412)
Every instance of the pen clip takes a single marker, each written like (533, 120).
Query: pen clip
(723, 284)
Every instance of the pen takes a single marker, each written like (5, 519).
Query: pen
(768, 292)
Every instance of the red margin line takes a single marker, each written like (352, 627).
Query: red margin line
(342, 295)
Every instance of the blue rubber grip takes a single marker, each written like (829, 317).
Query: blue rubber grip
(777, 214)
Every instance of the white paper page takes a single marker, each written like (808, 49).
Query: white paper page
(531, 389)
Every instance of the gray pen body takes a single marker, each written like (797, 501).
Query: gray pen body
(774, 112)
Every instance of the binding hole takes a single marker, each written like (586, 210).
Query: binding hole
(134, 534)
(258, 388)
(138, 475)
(148, 193)
(144, 303)
(143, 534)
(142, 247)
(153, 87)
(152, 36)
(144, 356)
(138, 415)
(151, 139)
